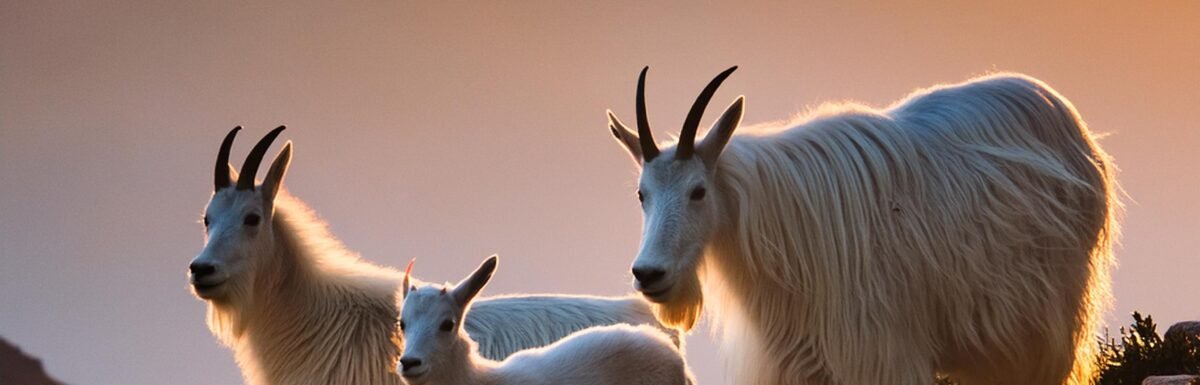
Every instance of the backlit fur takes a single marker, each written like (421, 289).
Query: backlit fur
(601, 355)
(966, 230)
(297, 307)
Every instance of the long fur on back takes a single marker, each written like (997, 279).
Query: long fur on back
(319, 314)
(967, 229)
(502, 325)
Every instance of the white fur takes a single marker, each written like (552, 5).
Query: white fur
(966, 230)
(298, 308)
(615, 354)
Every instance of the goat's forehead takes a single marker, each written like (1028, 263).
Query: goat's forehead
(231, 200)
(428, 300)
(666, 171)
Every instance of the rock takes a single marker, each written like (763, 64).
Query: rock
(18, 368)
(1181, 379)
(1182, 329)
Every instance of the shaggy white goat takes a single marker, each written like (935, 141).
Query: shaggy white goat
(439, 352)
(298, 308)
(966, 229)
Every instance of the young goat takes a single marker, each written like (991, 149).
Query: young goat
(298, 308)
(440, 352)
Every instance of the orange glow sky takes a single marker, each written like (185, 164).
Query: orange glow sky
(449, 131)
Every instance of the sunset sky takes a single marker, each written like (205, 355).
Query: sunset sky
(448, 131)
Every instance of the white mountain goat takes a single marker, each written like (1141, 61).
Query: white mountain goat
(439, 352)
(298, 308)
(965, 230)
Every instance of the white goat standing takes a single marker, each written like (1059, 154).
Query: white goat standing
(298, 308)
(966, 230)
(439, 352)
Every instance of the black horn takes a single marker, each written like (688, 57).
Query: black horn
(221, 175)
(246, 178)
(687, 137)
(649, 149)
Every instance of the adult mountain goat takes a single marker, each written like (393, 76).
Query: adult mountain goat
(964, 230)
(298, 308)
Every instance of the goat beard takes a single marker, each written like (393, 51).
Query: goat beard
(227, 317)
(683, 310)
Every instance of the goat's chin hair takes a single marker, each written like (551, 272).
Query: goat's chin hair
(226, 315)
(223, 323)
(685, 306)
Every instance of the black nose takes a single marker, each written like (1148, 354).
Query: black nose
(201, 270)
(648, 276)
(410, 363)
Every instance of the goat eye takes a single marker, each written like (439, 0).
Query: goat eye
(401, 325)
(205, 221)
(251, 220)
(698, 193)
(447, 325)
(641, 198)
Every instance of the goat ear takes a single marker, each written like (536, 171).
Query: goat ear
(274, 180)
(233, 174)
(625, 137)
(714, 142)
(470, 287)
(407, 279)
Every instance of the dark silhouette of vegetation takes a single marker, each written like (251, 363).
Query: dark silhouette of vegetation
(1139, 353)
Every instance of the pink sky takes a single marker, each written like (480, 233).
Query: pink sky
(449, 131)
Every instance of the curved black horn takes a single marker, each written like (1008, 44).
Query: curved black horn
(649, 149)
(246, 178)
(687, 137)
(221, 175)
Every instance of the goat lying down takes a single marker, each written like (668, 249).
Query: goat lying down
(439, 352)
(297, 307)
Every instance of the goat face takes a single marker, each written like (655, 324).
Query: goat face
(431, 322)
(678, 209)
(235, 234)
(680, 202)
(239, 234)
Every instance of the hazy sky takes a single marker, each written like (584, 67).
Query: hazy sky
(449, 131)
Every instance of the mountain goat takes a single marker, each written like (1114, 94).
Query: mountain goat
(297, 307)
(441, 353)
(966, 230)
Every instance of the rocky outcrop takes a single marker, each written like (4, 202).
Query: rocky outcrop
(1183, 329)
(17, 368)
(1178, 332)
(1182, 379)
